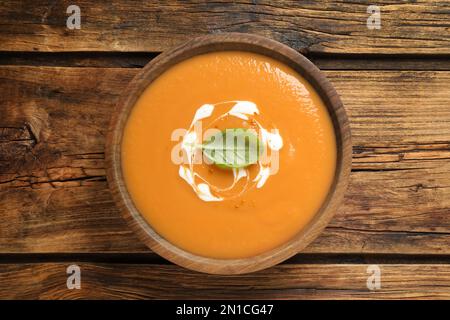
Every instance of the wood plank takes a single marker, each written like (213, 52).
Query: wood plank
(297, 281)
(52, 141)
(54, 197)
(420, 27)
(140, 59)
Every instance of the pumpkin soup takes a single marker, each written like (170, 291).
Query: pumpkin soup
(229, 154)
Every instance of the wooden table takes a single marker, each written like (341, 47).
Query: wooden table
(58, 88)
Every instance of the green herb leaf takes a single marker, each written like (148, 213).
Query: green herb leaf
(233, 148)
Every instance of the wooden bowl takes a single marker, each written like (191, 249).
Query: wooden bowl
(223, 42)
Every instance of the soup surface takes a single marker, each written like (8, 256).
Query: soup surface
(221, 212)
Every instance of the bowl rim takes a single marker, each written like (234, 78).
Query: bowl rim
(214, 43)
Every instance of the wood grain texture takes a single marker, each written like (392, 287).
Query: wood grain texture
(419, 27)
(297, 281)
(52, 174)
(140, 59)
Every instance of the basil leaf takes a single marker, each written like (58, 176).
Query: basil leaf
(233, 148)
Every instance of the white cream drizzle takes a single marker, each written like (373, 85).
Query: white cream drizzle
(191, 142)
(243, 108)
(205, 111)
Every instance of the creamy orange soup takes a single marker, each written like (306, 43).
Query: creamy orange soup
(229, 213)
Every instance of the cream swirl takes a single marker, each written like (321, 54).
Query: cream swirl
(247, 114)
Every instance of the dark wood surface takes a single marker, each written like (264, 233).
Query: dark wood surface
(287, 281)
(419, 27)
(55, 205)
